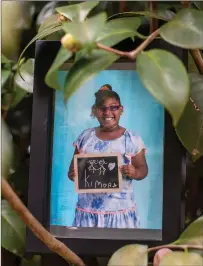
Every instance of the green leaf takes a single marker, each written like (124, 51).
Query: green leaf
(13, 230)
(18, 95)
(185, 30)
(51, 78)
(6, 64)
(189, 131)
(39, 36)
(6, 99)
(77, 12)
(130, 255)
(117, 30)
(85, 52)
(5, 60)
(198, 251)
(192, 234)
(166, 14)
(85, 68)
(180, 258)
(6, 150)
(149, 14)
(4, 76)
(87, 31)
(190, 125)
(13, 17)
(191, 64)
(26, 79)
(50, 22)
(165, 77)
(196, 81)
(34, 261)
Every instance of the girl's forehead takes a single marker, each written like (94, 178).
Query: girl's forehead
(110, 100)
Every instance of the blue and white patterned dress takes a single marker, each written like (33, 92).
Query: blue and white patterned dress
(108, 210)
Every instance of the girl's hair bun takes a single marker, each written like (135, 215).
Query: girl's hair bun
(105, 87)
(104, 92)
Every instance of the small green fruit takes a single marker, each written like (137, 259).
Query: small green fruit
(70, 43)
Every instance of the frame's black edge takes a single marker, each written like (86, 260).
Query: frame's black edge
(40, 138)
(39, 179)
(173, 206)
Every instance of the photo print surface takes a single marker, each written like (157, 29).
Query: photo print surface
(142, 115)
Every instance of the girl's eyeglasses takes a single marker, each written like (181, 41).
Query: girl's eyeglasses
(112, 108)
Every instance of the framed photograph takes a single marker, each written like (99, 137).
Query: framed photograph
(152, 206)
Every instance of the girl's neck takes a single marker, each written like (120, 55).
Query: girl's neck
(113, 129)
(111, 134)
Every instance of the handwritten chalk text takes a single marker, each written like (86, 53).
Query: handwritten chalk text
(98, 184)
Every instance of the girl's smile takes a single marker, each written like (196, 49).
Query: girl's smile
(107, 120)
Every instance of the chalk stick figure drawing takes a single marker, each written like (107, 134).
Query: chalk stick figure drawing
(101, 167)
(91, 167)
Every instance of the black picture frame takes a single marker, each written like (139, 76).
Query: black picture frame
(40, 166)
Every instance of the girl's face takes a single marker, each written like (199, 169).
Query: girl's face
(109, 113)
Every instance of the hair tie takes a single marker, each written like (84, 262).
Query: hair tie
(106, 87)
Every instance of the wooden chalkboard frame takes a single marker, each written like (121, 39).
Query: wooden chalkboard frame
(102, 155)
(93, 241)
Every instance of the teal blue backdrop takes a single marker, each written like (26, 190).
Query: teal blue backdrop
(141, 113)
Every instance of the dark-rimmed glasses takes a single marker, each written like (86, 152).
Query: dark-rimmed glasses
(111, 108)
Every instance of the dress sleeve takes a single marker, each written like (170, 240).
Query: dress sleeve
(139, 144)
(80, 141)
(134, 144)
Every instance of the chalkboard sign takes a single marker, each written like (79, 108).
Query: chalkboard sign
(96, 173)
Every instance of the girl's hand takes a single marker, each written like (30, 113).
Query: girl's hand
(128, 170)
(71, 174)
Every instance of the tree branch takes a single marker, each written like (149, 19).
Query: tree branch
(132, 54)
(197, 57)
(185, 4)
(199, 247)
(122, 6)
(144, 44)
(51, 242)
(112, 50)
(153, 21)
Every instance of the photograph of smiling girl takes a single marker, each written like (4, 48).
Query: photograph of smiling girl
(118, 115)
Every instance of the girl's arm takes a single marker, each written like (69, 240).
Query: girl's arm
(138, 168)
(71, 171)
